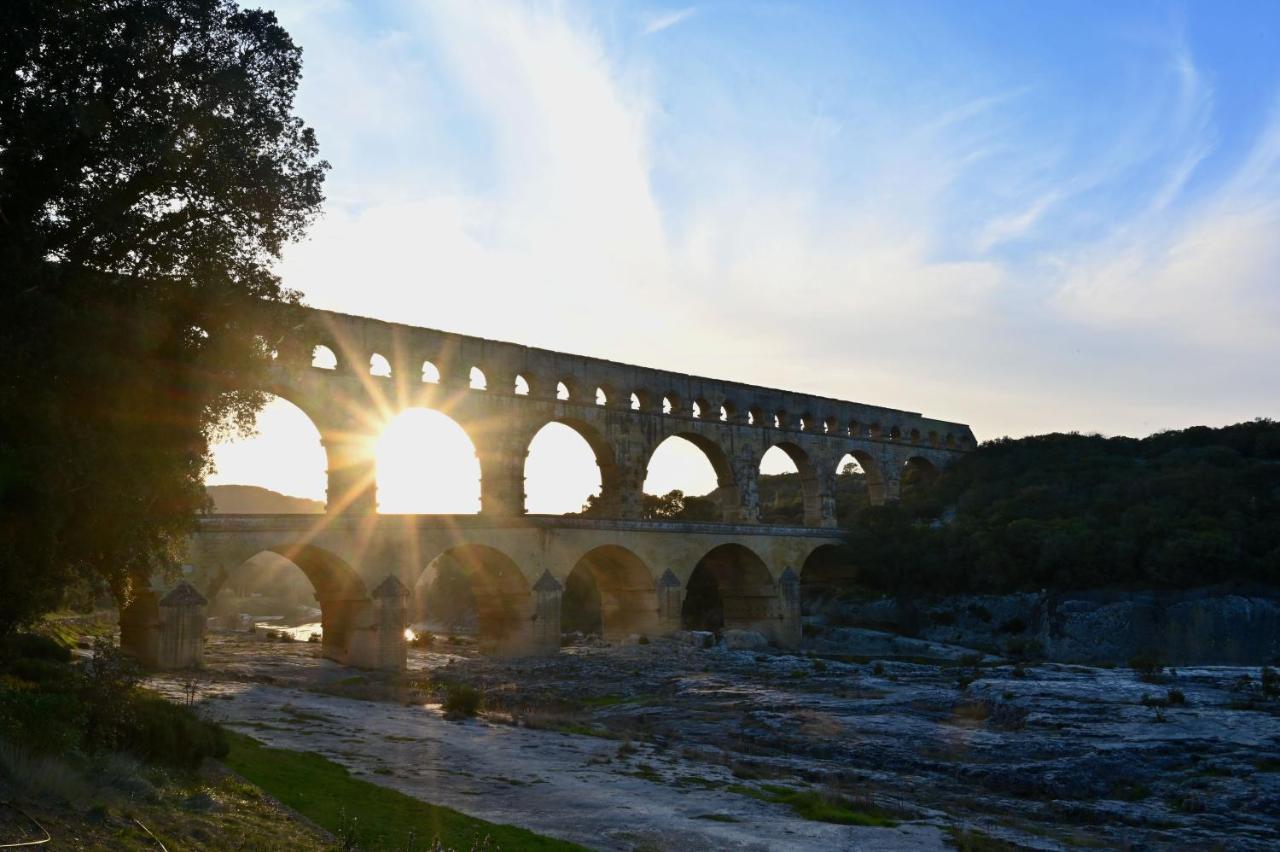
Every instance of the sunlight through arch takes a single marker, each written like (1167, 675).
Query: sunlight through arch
(322, 358)
(560, 473)
(426, 465)
(284, 455)
(679, 465)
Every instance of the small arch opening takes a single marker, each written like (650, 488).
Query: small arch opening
(562, 391)
(602, 398)
(322, 358)
(430, 373)
(379, 366)
(669, 404)
(635, 402)
(478, 381)
(521, 386)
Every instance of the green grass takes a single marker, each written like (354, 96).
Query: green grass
(817, 806)
(374, 817)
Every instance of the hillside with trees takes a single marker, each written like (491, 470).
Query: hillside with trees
(1175, 510)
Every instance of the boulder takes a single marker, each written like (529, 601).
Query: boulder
(744, 640)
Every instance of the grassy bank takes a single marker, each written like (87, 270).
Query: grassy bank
(370, 816)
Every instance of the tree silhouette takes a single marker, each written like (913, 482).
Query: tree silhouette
(151, 169)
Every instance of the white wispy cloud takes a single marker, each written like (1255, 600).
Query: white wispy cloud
(666, 20)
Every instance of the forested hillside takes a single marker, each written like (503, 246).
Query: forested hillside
(1068, 511)
(252, 500)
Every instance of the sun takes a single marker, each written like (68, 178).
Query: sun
(426, 464)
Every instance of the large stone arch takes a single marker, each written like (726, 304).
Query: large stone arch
(918, 471)
(721, 463)
(341, 593)
(619, 586)
(826, 573)
(731, 589)
(816, 496)
(460, 430)
(505, 606)
(610, 502)
(873, 469)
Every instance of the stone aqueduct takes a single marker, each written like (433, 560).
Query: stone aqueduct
(363, 564)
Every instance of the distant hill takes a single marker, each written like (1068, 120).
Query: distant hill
(252, 500)
(1176, 510)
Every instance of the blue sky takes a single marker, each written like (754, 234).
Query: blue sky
(1024, 216)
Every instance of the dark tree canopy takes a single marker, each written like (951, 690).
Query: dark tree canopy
(1179, 509)
(151, 169)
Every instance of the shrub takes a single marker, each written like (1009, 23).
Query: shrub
(41, 722)
(108, 683)
(461, 701)
(1176, 698)
(1147, 665)
(162, 732)
(30, 646)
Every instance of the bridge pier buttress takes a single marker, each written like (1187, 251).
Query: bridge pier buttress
(670, 602)
(352, 476)
(165, 632)
(368, 633)
(501, 477)
(746, 474)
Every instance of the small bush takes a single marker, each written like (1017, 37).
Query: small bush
(1147, 665)
(461, 701)
(643, 640)
(41, 722)
(30, 646)
(1176, 698)
(163, 732)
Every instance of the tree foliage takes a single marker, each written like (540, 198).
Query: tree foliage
(151, 169)
(1179, 509)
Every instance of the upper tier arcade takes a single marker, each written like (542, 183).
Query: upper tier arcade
(503, 393)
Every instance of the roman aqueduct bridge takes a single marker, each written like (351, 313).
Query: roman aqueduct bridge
(364, 565)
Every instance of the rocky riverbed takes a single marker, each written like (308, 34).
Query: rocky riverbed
(671, 744)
